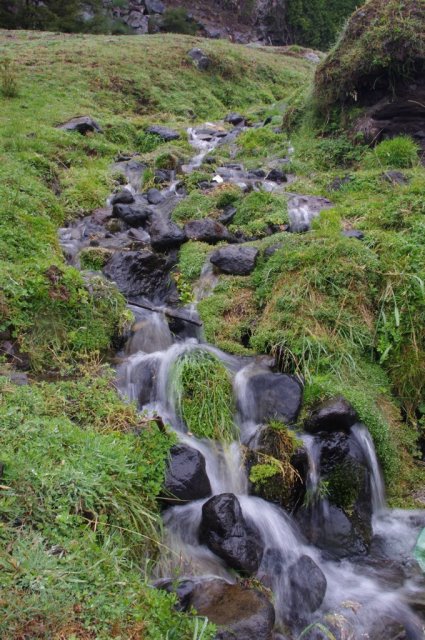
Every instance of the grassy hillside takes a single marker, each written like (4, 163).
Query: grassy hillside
(78, 515)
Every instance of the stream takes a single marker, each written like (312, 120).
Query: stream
(322, 587)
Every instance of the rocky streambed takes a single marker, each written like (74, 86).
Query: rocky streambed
(305, 549)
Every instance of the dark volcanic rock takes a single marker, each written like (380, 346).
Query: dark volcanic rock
(164, 233)
(164, 132)
(225, 531)
(307, 586)
(270, 251)
(81, 124)
(154, 196)
(238, 612)
(200, 58)
(235, 260)
(273, 395)
(228, 214)
(123, 197)
(335, 533)
(275, 175)
(336, 414)
(132, 214)
(235, 119)
(141, 273)
(208, 230)
(186, 477)
(338, 183)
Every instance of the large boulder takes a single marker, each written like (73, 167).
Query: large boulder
(123, 197)
(208, 230)
(164, 233)
(132, 214)
(273, 396)
(225, 531)
(81, 124)
(141, 274)
(236, 260)
(186, 477)
(336, 414)
(239, 613)
(307, 586)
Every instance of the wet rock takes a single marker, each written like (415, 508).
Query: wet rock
(81, 124)
(154, 6)
(183, 589)
(353, 233)
(200, 58)
(164, 233)
(208, 230)
(332, 531)
(141, 274)
(132, 214)
(275, 175)
(395, 177)
(335, 448)
(228, 214)
(164, 133)
(238, 612)
(163, 176)
(274, 396)
(225, 531)
(20, 380)
(336, 414)
(236, 260)
(256, 173)
(287, 487)
(307, 586)
(154, 196)
(235, 119)
(186, 477)
(123, 197)
(303, 209)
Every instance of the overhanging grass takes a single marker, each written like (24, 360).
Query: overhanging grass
(205, 396)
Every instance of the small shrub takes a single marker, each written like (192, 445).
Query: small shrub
(398, 153)
(178, 21)
(8, 78)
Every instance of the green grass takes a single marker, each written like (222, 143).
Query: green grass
(204, 393)
(79, 516)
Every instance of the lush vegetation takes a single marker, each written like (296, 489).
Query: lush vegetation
(317, 23)
(381, 47)
(80, 469)
(204, 395)
(80, 472)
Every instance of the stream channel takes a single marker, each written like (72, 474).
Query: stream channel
(329, 576)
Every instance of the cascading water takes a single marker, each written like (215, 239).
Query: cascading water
(358, 596)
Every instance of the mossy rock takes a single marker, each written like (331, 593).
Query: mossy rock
(277, 468)
(381, 48)
(94, 258)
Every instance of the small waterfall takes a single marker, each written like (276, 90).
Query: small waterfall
(358, 595)
(365, 441)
